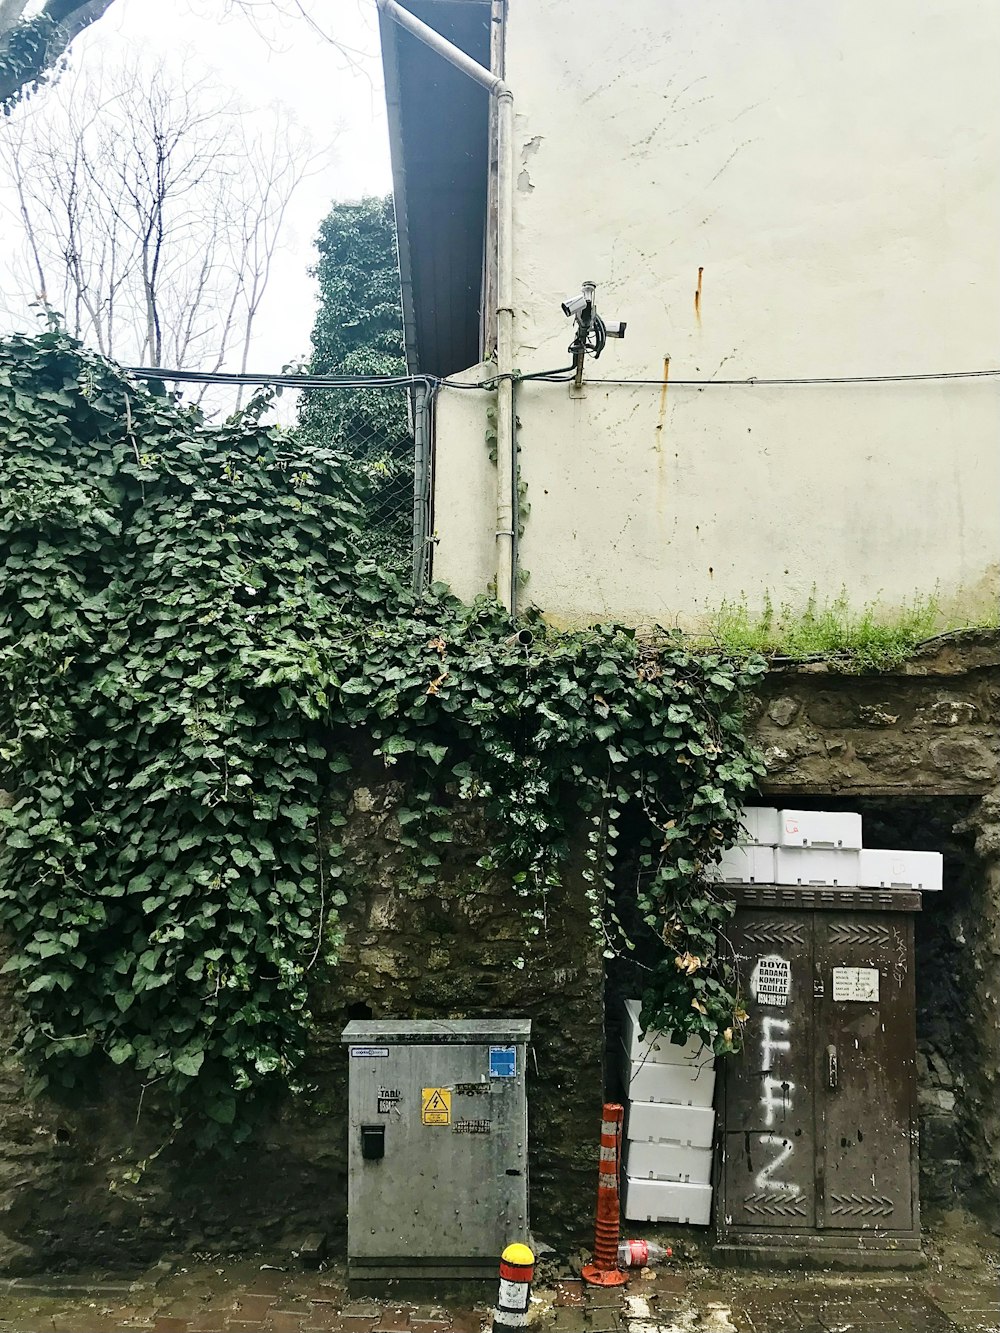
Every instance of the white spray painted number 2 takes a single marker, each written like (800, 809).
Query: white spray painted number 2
(776, 1092)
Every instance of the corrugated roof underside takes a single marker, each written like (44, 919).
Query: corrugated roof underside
(444, 128)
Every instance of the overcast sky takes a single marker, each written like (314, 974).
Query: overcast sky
(338, 101)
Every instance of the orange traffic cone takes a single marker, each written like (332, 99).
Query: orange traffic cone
(604, 1271)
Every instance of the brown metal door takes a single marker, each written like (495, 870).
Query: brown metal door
(770, 1162)
(864, 1070)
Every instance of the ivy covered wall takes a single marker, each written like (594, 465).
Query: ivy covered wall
(87, 1178)
(255, 788)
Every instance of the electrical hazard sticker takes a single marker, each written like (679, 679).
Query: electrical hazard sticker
(435, 1106)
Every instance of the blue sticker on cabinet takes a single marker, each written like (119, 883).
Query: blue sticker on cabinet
(503, 1061)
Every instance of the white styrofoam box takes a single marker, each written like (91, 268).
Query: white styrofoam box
(691, 1084)
(760, 825)
(819, 828)
(669, 1161)
(816, 865)
(661, 1122)
(666, 1201)
(744, 865)
(656, 1045)
(901, 870)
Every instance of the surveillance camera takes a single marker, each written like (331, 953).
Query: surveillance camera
(574, 305)
(616, 330)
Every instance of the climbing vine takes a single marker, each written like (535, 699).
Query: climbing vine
(193, 664)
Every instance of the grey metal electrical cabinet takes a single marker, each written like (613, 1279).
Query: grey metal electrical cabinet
(437, 1146)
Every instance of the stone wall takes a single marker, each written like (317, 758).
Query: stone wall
(100, 1181)
(932, 727)
(105, 1179)
(918, 751)
(982, 932)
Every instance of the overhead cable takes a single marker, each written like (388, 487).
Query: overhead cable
(561, 375)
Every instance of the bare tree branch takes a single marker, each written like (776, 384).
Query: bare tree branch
(150, 212)
(31, 47)
(266, 14)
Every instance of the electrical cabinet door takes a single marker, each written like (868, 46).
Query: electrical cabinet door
(866, 1070)
(769, 1158)
(437, 1145)
(818, 1134)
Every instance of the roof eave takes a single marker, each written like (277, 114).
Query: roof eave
(389, 34)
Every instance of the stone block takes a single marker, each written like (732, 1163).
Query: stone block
(569, 1293)
(469, 1321)
(938, 1139)
(566, 1320)
(952, 713)
(673, 1283)
(962, 758)
(877, 715)
(393, 1319)
(936, 1100)
(285, 1321)
(830, 710)
(603, 1320)
(784, 710)
(362, 1310)
(254, 1307)
(941, 1072)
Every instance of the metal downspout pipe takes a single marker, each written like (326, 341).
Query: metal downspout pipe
(506, 441)
(506, 430)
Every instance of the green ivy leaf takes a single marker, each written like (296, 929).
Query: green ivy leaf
(190, 1063)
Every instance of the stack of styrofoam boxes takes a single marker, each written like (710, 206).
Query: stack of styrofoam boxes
(752, 860)
(820, 847)
(668, 1168)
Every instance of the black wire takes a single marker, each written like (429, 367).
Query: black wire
(286, 379)
(560, 375)
(297, 380)
(753, 380)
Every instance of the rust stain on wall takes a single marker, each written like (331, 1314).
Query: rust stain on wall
(663, 396)
(697, 296)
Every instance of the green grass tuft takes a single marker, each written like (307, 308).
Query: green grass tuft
(868, 639)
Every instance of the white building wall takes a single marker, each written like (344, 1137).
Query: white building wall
(834, 172)
(465, 488)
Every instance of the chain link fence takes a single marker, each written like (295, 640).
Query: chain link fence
(381, 423)
(384, 429)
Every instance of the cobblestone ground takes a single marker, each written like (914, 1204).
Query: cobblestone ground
(242, 1298)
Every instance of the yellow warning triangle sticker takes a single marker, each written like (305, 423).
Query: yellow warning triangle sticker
(435, 1106)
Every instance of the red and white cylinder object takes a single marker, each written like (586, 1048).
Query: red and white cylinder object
(517, 1267)
(604, 1271)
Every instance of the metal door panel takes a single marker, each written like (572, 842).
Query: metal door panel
(445, 1187)
(769, 1164)
(864, 1070)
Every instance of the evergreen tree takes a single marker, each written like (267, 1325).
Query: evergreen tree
(359, 331)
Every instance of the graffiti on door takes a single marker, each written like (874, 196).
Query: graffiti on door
(776, 1093)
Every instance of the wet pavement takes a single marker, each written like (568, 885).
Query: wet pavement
(245, 1298)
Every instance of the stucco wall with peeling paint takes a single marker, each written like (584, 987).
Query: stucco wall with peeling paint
(832, 174)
